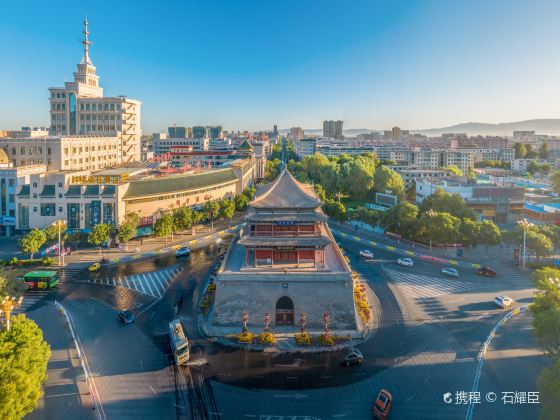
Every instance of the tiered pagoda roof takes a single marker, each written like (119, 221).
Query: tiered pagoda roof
(286, 200)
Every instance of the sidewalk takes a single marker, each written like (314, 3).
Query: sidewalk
(478, 254)
(66, 394)
(147, 245)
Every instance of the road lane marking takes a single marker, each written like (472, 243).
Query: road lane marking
(146, 284)
(151, 282)
(157, 279)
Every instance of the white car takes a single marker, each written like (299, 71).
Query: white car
(503, 301)
(407, 262)
(183, 252)
(366, 253)
(450, 272)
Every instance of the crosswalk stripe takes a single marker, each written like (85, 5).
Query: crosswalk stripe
(148, 285)
(141, 286)
(158, 281)
(419, 286)
(165, 279)
(155, 283)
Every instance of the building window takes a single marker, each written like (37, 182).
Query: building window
(23, 215)
(34, 209)
(11, 198)
(47, 209)
(73, 215)
(87, 107)
(10, 182)
(34, 185)
(60, 210)
(72, 106)
(48, 150)
(59, 195)
(14, 150)
(108, 213)
(34, 195)
(94, 107)
(60, 185)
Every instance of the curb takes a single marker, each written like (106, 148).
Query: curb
(482, 353)
(89, 378)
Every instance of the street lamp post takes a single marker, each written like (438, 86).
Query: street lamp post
(430, 213)
(7, 305)
(59, 224)
(525, 224)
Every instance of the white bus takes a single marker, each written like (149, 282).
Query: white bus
(179, 342)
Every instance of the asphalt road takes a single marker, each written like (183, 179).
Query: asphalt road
(417, 305)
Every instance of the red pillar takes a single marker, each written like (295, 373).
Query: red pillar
(297, 258)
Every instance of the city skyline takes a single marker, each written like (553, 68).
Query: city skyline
(413, 64)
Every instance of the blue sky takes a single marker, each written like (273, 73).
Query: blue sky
(252, 64)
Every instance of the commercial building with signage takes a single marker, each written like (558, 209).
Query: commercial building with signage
(85, 198)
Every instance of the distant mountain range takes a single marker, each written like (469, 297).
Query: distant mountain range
(540, 126)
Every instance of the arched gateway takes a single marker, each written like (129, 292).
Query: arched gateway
(285, 311)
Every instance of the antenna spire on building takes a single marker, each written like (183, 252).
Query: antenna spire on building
(86, 42)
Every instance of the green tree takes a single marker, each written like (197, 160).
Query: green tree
(241, 202)
(520, 150)
(443, 228)
(543, 150)
(127, 228)
(454, 170)
(32, 241)
(320, 191)
(182, 218)
(442, 201)
(212, 210)
(539, 243)
(356, 177)
(10, 285)
(313, 164)
(330, 179)
(530, 154)
(385, 179)
(23, 367)
(249, 192)
(555, 181)
(469, 232)
(401, 219)
(335, 210)
(51, 233)
(99, 234)
(227, 208)
(546, 322)
(549, 391)
(410, 192)
(272, 169)
(164, 226)
(489, 234)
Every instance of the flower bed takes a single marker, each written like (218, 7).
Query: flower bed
(303, 339)
(267, 338)
(245, 337)
(326, 340)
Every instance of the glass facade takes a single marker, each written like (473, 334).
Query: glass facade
(73, 215)
(72, 106)
(108, 213)
(92, 214)
(47, 209)
(23, 216)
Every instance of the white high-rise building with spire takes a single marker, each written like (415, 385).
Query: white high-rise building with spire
(79, 108)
